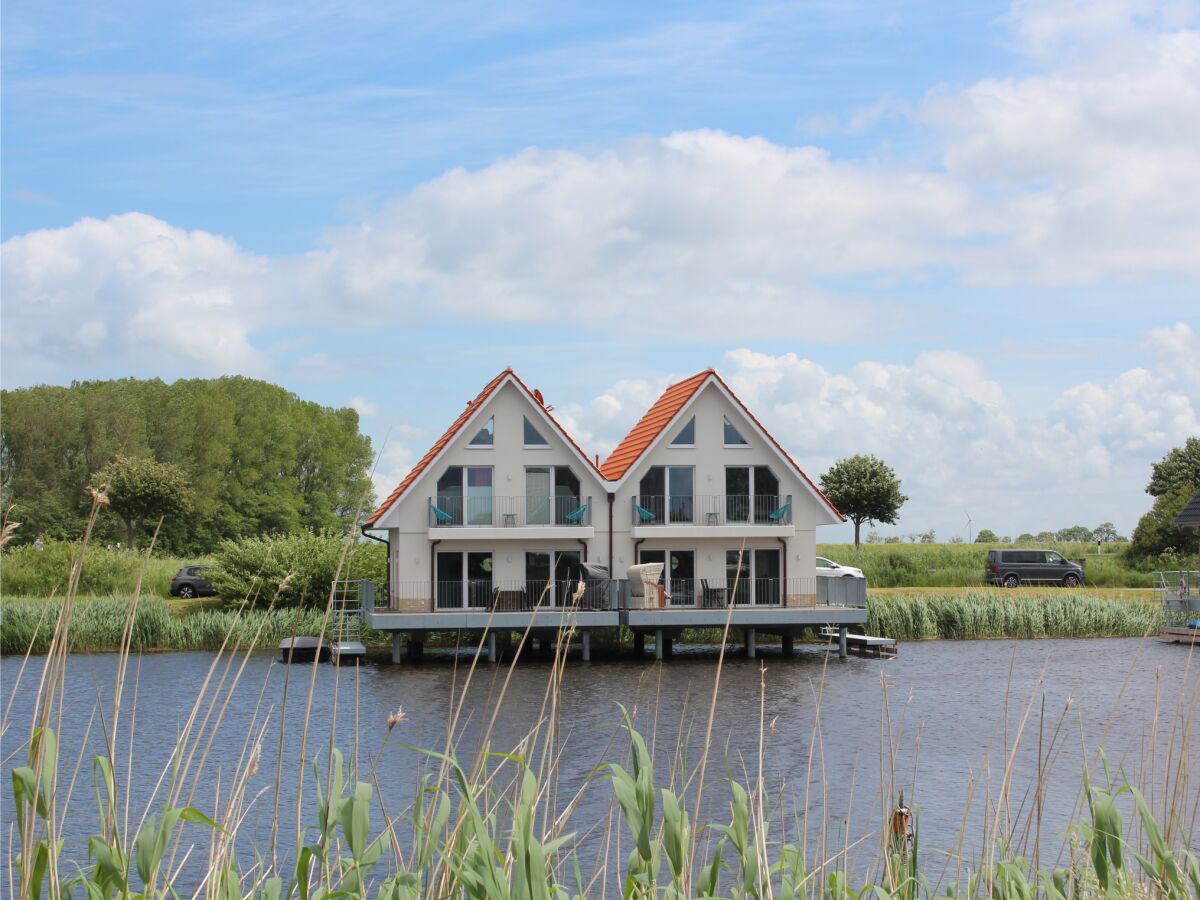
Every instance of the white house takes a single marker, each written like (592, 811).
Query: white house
(502, 511)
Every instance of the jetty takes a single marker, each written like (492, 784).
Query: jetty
(578, 608)
(1180, 590)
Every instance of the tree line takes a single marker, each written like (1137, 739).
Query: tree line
(224, 458)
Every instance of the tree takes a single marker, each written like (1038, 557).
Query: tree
(927, 537)
(1025, 538)
(140, 488)
(1074, 533)
(987, 536)
(1178, 469)
(1155, 534)
(1106, 532)
(865, 489)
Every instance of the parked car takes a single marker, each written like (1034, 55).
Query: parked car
(1013, 567)
(827, 568)
(192, 581)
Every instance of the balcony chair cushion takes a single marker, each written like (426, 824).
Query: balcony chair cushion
(780, 513)
(578, 514)
(644, 514)
(441, 515)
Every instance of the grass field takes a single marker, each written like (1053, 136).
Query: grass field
(962, 565)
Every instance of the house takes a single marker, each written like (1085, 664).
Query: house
(507, 524)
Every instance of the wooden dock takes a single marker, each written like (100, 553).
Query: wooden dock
(865, 645)
(1180, 635)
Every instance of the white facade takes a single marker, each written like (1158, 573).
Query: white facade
(502, 513)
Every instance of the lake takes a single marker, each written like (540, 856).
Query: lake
(951, 710)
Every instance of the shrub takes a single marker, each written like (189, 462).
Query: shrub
(253, 568)
(28, 571)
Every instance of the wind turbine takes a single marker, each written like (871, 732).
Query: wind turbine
(970, 533)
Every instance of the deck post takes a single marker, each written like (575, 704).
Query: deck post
(842, 654)
(658, 643)
(491, 644)
(789, 648)
(586, 637)
(750, 648)
(396, 636)
(639, 643)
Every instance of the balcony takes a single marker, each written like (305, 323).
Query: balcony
(495, 596)
(720, 515)
(490, 518)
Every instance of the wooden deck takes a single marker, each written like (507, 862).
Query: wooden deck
(1180, 635)
(865, 644)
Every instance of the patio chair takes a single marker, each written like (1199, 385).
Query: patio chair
(780, 514)
(576, 516)
(644, 514)
(443, 517)
(711, 596)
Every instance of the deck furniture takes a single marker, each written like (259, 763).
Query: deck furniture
(576, 516)
(712, 597)
(780, 514)
(441, 515)
(644, 514)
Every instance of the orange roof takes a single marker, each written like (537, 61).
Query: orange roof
(650, 426)
(659, 416)
(457, 426)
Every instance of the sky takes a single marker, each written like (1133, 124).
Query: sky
(962, 237)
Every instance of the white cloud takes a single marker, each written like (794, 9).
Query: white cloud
(1084, 171)
(362, 405)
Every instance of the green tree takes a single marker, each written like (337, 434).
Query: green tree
(1155, 535)
(139, 489)
(865, 489)
(987, 536)
(1178, 469)
(1025, 538)
(1074, 533)
(1107, 533)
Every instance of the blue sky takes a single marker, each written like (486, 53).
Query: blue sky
(963, 236)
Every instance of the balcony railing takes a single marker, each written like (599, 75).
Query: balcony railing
(509, 512)
(712, 509)
(484, 595)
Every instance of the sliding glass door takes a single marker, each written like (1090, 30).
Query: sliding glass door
(754, 576)
(464, 496)
(751, 494)
(679, 574)
(551, 576)
(551, 494)
(668, 494)
(463, 580)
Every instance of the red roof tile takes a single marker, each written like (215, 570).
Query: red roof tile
(651, 425)
(659, 416)
(458, 425)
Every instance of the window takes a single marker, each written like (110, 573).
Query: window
(679, 574)
(464, 579)
(733, 437)
(464, 496)
(753, 576)
(486, 436)
(551, 494)
(533, 437)
(667, 493)
(751, 494)
(687, 435)
(551, 576)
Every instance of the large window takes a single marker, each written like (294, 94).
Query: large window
(464, 579)
(551, 494)
(753, 576)
(679, 574)
(551, 576)
(667, 494)
(751, 494)
(733, 437)
(464, 496)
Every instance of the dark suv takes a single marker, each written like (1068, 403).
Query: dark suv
(1013, 567)
(192, 581)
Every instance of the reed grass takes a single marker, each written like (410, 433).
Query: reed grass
(28, 571)
(490, 823)
(1000, 614)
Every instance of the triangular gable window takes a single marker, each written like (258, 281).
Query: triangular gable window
(733, 437)
(486, 436)
(533, 437)
(687, 435)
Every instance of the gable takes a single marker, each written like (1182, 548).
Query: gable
(468, 424)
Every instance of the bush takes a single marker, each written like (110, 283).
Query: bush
(1011, 615)
(32, 572)
(253, 568)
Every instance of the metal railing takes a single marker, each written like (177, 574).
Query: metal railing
(712, 509)
(509, 512)
(525, 595)
(1180, 590)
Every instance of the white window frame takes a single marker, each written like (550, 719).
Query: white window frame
(492, 445)
(745, 445)
(546, 446)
